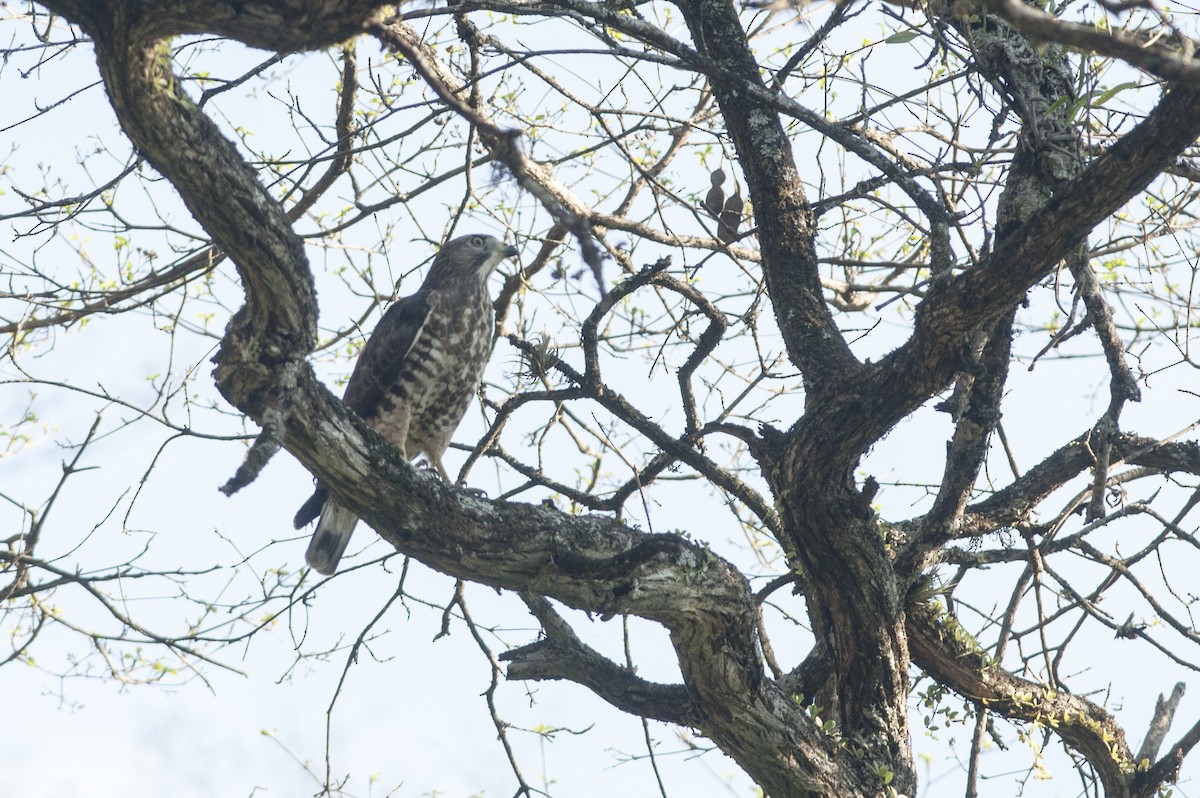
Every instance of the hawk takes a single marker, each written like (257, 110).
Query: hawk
(417, 374)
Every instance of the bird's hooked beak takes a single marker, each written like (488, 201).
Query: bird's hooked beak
(499, 252)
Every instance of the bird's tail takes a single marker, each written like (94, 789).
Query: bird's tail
(331, 538)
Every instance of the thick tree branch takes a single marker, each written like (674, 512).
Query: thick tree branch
(941, 648)
(591, 563)
(1160, 724)
(280, 25)
(1165, 57)
(1166, 769)
(787, 231)
(1122, 387)
(953, 306)
(1049, 156)
(1013, 504)
(976, 419)
(562, 655)
(223, 193)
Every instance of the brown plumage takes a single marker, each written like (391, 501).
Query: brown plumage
(417, 374)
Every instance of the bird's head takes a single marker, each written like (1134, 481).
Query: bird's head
(468, 258)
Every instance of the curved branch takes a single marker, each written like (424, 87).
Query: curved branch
(592, 563)
(223, 193)
(267, 24)
(562, 655)
(1150, 52)
(949, 655)
(1012, 505)
(787, 227)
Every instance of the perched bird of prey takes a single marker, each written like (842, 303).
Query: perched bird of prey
(417, 374)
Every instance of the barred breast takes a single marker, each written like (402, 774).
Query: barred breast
(441, 374)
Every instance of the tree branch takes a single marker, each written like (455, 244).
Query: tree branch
(562, 655)
(266, 24)
(592, 563)
(787, 227)
(941, 648)
(534, 177)
(1012, 505)
(1172, 61)
(1160, 724)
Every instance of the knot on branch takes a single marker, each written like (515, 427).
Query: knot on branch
(668, 548)
(653, 578)
(276, 408)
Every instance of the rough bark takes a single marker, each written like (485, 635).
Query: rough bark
(854, 582)
(590, 563)
(786, 222)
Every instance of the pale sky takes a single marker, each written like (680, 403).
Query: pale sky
(410, 720)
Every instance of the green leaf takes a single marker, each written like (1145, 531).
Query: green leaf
(1114, 91)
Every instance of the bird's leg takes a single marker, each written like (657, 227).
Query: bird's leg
(436, 462)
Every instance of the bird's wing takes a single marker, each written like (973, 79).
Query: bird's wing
(385, 353)
(377, 367)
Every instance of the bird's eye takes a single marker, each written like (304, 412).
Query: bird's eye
(477, 242)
